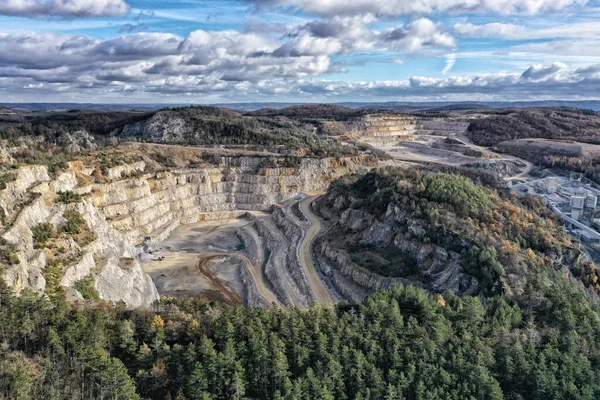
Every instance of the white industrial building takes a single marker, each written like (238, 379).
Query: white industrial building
(574, 201)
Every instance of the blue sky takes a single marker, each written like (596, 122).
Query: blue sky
(298, 50)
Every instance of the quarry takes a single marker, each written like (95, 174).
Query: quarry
(234, 224)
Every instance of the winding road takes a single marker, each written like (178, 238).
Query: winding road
(321, 293)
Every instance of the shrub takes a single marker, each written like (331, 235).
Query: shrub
(126, 263)
(456, 190)
(87, 289)
(55, 167)
(8, 254)
(68, 197)
(53, 274)
(75, 222)
(42, 233)
(5, 178)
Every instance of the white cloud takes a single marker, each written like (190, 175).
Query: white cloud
(416, 35)
(153, 59)
(539, 73)
(556, 81)
(64, 8)
(242, 67)
(337, 27)
(309, 46)
(393, 8)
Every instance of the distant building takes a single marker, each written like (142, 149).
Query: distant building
(577, 202)
(591, 202)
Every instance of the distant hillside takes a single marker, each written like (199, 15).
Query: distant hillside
(214, 126)
(42, 136)
(427, 107)
(53, 124)
(308, 111)
(33, 107)
(540, 123)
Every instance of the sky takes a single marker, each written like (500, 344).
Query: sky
(224, 51)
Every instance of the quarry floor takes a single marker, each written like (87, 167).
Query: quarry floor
(198, 260)
(205, 259)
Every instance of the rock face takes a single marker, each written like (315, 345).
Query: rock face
(135, 205)
(388, 129)
(76, 142)
(161, 128)
(351, 281)
(438, 269)
(100, 258)
(5, 157)
(152, 205)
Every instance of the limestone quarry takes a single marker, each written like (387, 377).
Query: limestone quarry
(133, 208)
(234, 224)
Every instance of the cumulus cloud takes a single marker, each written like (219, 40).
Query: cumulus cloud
(416, 35)
(340, 35)
(64, 8)
(240, 66)
(540, 73)
(337, 27)
(152, 60)
(536, 82)
(309, 46)
(393, 8)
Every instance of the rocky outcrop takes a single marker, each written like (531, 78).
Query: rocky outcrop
(294, 235)
(253, 297)
(350, 280)
(161, 128)
(396, 232)
(503, 168)
(5, 157)
(75, 142)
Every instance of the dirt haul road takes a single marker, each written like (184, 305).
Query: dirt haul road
(305, 254)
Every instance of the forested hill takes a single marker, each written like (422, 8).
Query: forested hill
(545, 123)
(399, 344)
(441, 230)
(50, 136)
